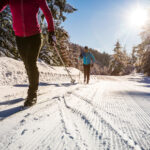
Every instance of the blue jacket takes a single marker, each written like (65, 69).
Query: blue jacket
(88, 58)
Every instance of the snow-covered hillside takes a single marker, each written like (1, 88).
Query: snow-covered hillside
(111, 113)
(13, 72)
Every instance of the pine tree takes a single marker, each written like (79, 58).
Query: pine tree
(116, 63)
(7, 39)
(120, 63)
(138, 57)
(142, 51)
(134, 58)
(58, 8)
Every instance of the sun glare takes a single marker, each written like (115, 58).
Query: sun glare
(138, 17)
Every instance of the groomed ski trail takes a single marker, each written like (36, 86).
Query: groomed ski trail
(103, 115)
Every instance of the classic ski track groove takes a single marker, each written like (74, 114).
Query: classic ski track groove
(132, 134)
(103, 125)
(108, 124)
(34, 112)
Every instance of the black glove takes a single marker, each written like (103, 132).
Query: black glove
(81, 56)
(92, 65)
(52, 38)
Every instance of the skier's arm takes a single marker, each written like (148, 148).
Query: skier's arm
(3, 4)
(93, 58)
(81, 56)
(48, 15)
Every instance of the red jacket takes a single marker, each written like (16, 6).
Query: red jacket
(24, 14)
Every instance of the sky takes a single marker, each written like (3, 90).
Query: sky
(100, 23)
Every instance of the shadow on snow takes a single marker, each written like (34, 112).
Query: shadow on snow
(6, 113)
(139, 94)
(135, 94)
(143, 80)
(10, 111)
(14, 101)
(46, 84)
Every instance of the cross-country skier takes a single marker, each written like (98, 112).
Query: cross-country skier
(88, 61)
(28, 37)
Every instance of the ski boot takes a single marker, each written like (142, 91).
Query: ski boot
(29, 103)
(31, 100)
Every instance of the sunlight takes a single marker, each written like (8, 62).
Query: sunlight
(138, 17)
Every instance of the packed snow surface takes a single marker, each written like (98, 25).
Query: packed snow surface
(13, 72)
(111, 113)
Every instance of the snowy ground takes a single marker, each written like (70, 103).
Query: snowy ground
(111, 113)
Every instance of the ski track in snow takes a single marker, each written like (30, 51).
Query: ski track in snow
(111, 113)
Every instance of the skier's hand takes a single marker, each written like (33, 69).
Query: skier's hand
(81, 56)
(52, 38)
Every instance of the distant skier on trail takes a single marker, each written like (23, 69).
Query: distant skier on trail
(88, 61)
(28, 37)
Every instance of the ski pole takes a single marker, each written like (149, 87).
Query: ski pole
(72, 80)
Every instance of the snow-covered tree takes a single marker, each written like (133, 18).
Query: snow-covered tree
(138, 56)
(142, 51)
(7, 38)
(116, 63)
(58, 8)
(121, 62)
(145, 54)
(49, 54)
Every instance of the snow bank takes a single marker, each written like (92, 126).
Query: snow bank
(13, 72)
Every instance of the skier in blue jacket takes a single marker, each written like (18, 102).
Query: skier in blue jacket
(88, 61)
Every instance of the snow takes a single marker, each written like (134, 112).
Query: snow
(57, 9)
(13, 72)
(111, 113)
(69, 8)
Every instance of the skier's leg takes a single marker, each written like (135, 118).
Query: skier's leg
(31, 65)
(88, 73)
(84, 66)
(29, 48)
(23, 47)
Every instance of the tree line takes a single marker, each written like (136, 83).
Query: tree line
(68, 51)
(7, 38)
(141, 52)
(119, 63)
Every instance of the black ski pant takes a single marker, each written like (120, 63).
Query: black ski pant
(86, 73)
(29, 48)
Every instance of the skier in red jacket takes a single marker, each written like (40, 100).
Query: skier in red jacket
(28, 37)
